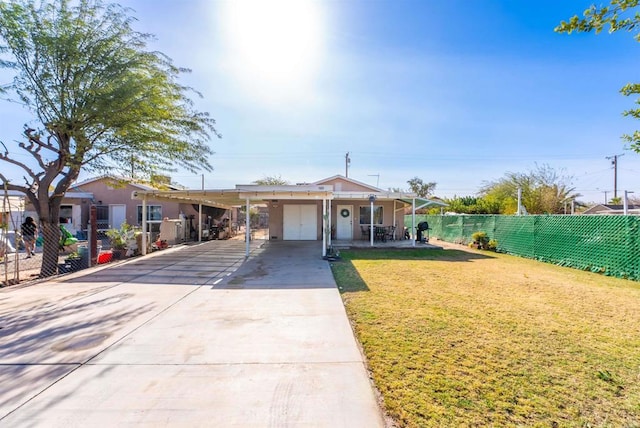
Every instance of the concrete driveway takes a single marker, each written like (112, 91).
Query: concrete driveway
(191, 336)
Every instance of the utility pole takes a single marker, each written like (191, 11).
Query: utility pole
(347, 162)
(614, 162)
(605, 196)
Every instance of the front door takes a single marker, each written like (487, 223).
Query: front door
(344, 222)
(117, 215)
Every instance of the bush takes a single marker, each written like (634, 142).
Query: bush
(492, 245)
(480, 240)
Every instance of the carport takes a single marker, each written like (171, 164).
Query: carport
(259, 194)
(228, 198)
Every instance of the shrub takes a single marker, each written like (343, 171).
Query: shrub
(480, 239)
(492, 245)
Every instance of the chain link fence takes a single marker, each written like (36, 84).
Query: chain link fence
(30, 250)
(23, 258)
(605, 244)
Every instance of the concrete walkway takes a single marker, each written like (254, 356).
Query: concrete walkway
(193, 336)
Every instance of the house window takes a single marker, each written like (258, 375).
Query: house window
(365, 215)
(154, 213)
(102, 217)
(66, 214)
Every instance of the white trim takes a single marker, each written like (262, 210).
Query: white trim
(247, 228)
(143, 250)
(330, 220)
(324, 228)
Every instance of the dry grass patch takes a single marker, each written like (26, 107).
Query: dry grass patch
(465, 338)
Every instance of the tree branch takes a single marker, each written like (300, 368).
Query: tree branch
(12, 187)
(5, 157)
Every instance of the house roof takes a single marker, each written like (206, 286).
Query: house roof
(226, 198)
(609, 208)
(349, 180)
(125, 180)
(74, 194)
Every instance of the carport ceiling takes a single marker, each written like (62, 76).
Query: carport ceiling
(227, 198)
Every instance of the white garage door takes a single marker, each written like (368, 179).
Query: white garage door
(300, 223)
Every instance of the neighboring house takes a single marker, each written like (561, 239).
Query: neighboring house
(610, 209)
(112, 197)
(12, 207)
(115, 206)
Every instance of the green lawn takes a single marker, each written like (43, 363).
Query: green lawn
(470, 338)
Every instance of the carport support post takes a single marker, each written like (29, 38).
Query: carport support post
(247, 227)
(200, 222)
(330, 221)
(324, 228)
(200, 214)
(143, 250)
(413, 221)
(372, 231)
(394, 221)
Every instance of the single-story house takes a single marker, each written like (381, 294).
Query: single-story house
(612, 209)
(114, 206)
(337, 207)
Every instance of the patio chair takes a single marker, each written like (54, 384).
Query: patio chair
(364, 233)
(390, 233)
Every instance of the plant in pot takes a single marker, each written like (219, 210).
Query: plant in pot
(73, 262)
(118, 240)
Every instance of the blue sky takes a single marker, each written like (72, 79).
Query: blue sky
(458, 92)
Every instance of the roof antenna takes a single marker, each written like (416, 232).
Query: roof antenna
(347, 162)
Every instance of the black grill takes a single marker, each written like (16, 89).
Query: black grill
(423, 229)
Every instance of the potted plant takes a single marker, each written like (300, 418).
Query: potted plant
(73, 262)
(118, 240)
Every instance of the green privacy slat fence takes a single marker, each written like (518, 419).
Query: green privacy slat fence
(605, 244)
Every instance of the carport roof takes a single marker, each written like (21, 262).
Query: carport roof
(226, 198)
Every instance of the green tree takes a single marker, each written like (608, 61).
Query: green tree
(619, 15)
(473, 205)
(544, 191)
(616, 201)
(101, 99)
(420, 188)
(271, 181)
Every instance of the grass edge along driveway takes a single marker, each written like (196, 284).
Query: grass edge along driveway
(469, 338)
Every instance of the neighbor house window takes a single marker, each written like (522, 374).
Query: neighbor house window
(365, 215)
(102, 217)
(66, 214)
(154, 213)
